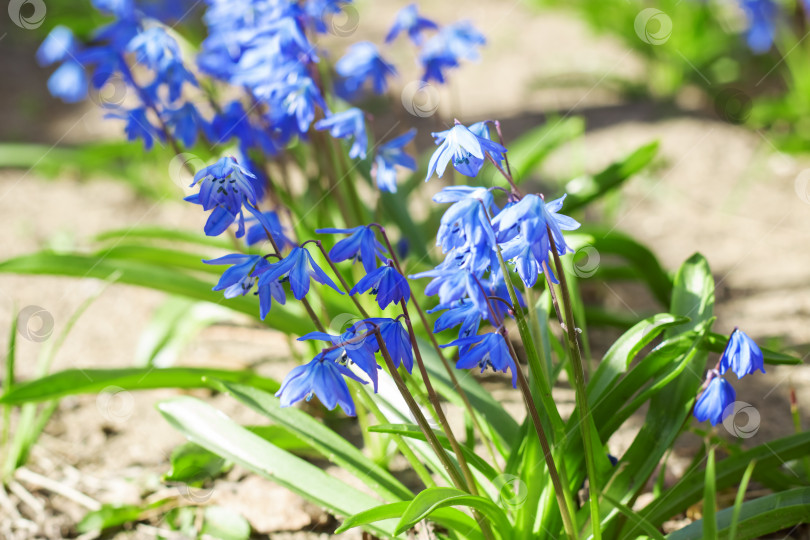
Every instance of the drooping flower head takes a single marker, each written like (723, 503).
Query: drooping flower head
(464, 148)
(487, 350)
(741, 355)
(713, 403)
(361, 63)
(347, 124)
(523, 230)
(239, 279)
(396, 338)
(444, 50)
(322, 377)
(408, 20)
(386, 283)
(356, 345)
(389, 156)
(298, 267)
(465, 229)
(361, 244)
(761, 24)
(224, 188)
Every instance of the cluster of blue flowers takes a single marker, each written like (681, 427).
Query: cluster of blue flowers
(265, 47)
(742, 356)
(471, 232)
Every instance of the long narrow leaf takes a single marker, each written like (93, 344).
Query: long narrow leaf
(213, 430)
(90, 381)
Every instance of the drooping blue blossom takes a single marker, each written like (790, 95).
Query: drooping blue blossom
(257, 232)
(712, 404)
(322, 377)
(297, 96)
(59, 45)
(464, 148)
(408, 20)
(356, 345)
(138, 126)
(69, 83)
(224, 188)
(396, 338)
(487, 350)
(184, 123)
(444, 50)
(345, 125)
(465, 229)
(238, 280)
(361, 244)
(462, 313)
(522, 229)
(452, 283)
(741, 355)
(386, 283)
(761, 16)
(361, 63)
(389, 156)
(299, 268)
(269, 290)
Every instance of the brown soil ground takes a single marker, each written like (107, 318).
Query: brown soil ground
(719, 189)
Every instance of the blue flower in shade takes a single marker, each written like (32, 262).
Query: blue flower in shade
(299, 267)
(466, 150)
(239, 279)
(396, 338)
(361, 244)
(257, 232)
(389, 156)
(465, 228)
(409, 20)
(322, 377)
(761, 24)
(462, 313)
(446, 48)
(487, 350)
(138, 126)
(69, 83)
(184, 123)
(712, 404)
(386, 283)
(742, 355)
(356, 345)
(58, 46)
(224, 188)
(361, 63)
(347, 124)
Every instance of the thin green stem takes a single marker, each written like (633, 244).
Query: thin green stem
(449, 466)
(340, 278)
(580, 390)
(431, 436)
(434, 401)
(564, 499)
(448, 368)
